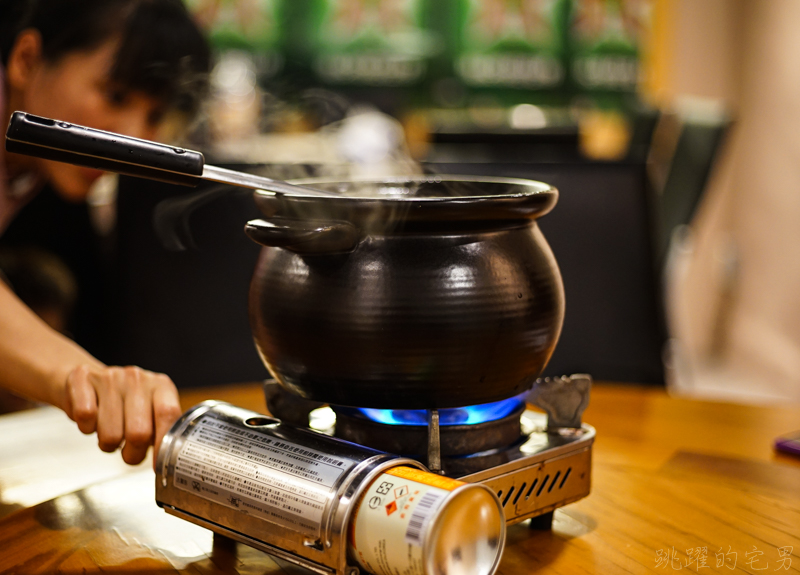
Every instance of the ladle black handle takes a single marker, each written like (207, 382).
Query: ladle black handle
(63, 142)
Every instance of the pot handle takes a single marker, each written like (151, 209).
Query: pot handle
(304, 237)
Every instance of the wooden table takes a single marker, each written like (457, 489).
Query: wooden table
(677, 485)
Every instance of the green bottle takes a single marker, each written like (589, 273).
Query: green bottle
(510, 51)
(378, 50)
(605, 42)
(251, 26)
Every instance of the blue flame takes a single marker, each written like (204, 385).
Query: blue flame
(454, 416)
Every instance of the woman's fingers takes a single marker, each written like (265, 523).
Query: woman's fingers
(81, 404)
(166, 410)
(110, 384)
(138, 413)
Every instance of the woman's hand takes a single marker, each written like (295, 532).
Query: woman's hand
(126, 406)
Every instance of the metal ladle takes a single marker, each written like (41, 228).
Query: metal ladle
(64, 142)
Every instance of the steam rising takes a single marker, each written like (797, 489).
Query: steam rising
(378, 206)
(171, 216)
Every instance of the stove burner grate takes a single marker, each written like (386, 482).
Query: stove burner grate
(463, 448)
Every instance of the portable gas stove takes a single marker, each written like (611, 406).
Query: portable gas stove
(535, 462)
(340, 489)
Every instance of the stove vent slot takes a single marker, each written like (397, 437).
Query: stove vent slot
(543, 485)
(563, 481)
(553, 484)
(521, 489)
(508, 496)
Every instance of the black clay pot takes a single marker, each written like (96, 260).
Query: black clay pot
(426, 292)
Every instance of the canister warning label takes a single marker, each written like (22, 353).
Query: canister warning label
(258, 474)
(393, 518)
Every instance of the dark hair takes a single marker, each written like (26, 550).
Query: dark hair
(161, 52)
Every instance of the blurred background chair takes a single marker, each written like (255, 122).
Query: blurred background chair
(686, 143)
(686, 146)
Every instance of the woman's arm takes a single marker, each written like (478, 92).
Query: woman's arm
(124, 405)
